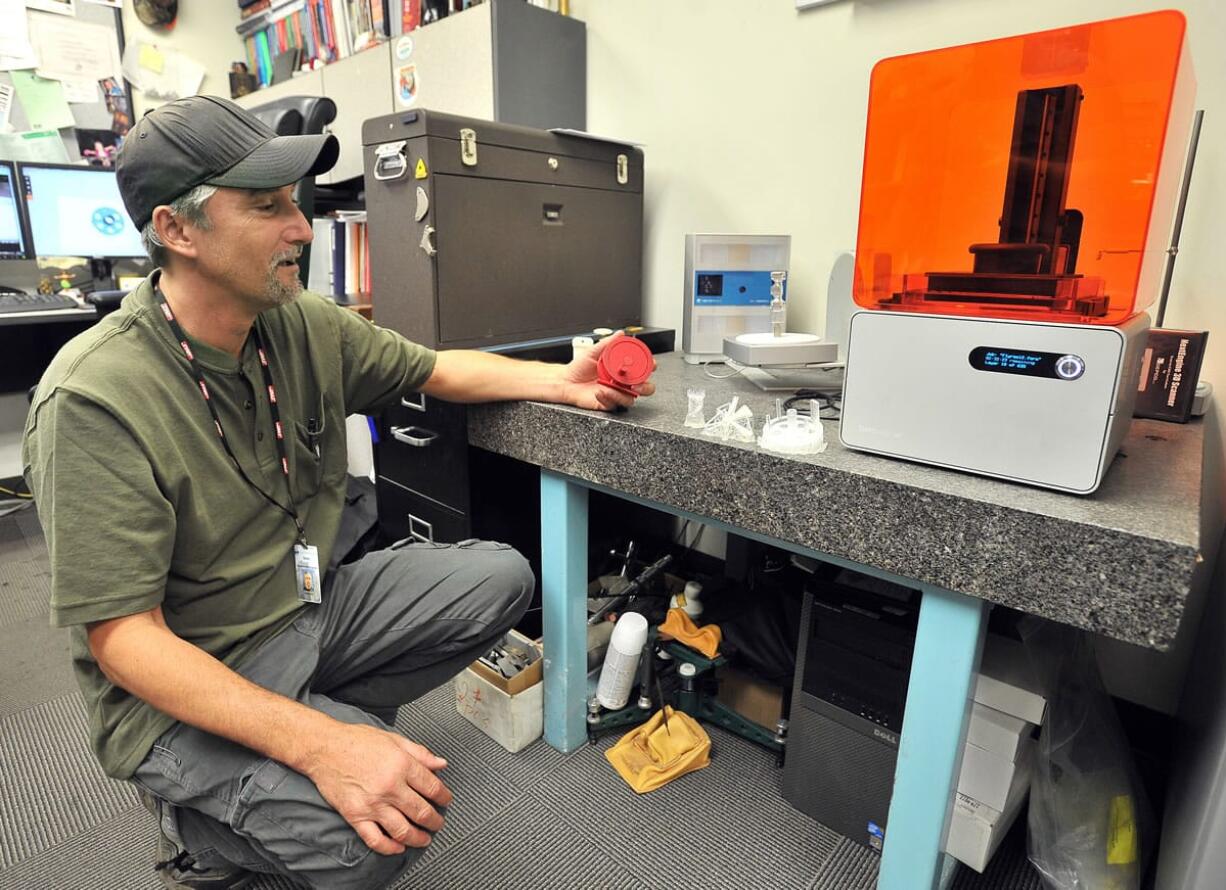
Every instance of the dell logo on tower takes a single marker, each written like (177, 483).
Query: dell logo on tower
(885, 736)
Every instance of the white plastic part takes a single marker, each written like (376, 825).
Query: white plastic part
(778, 308)
(580, 345)
(786, 338)
(621, 661)
(733, 422)
(693, 417)
(688, 601)
(793, 433)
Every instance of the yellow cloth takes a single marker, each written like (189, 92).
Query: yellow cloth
(651, 755)
(681, 628)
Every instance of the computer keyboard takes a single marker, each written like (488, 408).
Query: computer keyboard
(23, 302)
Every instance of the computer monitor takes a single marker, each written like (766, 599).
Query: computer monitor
(14, 234)
(77, 211)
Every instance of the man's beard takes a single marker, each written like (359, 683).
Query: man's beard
(276, 291)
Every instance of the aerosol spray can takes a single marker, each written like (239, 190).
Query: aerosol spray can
(621, 661)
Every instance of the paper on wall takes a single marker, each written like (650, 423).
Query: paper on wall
(114, 4)
(16, 63)
(80, 91)
(6, 105)
(15, 36)
(16, 51)
(62, 7)
(72, 50)
(151, 58)
(44, 146)
(43, 101)
(161, 74)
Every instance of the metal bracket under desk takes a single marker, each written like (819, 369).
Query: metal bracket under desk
(948, 646)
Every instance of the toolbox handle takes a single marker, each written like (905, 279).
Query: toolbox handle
(420, 529)
(405, 435)
(416, 401)
(391, 161)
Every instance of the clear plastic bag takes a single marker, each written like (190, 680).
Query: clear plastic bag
(1091, 827)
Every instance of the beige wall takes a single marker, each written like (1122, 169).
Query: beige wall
(204, 31)
(753, 116)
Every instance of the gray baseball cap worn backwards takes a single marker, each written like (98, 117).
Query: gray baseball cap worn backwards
(207, 140)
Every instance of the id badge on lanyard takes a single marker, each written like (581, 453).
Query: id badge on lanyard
(306, 568)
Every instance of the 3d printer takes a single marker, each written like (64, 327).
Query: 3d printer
(1024, 365)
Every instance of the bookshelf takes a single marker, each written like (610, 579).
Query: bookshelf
(502, 60)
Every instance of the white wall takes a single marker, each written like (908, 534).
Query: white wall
(753, 117)
(204, 31)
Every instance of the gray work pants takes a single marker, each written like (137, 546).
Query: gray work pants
(391, 627)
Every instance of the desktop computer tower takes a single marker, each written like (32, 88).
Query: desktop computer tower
(853, 663)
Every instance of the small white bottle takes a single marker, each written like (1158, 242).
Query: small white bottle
(621, 661)
(688, 601)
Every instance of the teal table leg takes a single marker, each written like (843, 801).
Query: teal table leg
(564, 609)
(948, 644)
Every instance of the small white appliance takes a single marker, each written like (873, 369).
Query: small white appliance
(728, 289)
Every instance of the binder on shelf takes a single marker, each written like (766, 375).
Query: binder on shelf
(338, 260)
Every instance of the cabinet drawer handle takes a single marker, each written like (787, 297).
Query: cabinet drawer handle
(420, 530)
(405, 434)
(416, 401)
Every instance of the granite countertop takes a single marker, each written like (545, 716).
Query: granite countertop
(1119, 562)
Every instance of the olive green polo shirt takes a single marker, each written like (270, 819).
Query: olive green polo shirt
(142, 506)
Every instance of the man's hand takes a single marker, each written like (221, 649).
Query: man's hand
(382, 784)
(581, 388)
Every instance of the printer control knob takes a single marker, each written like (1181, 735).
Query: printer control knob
(1070, 367)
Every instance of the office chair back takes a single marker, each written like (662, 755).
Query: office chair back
(300, 116)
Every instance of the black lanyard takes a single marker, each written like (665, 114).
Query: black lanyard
(277, 428)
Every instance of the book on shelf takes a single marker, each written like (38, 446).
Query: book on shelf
(349, 249)
(321, 31)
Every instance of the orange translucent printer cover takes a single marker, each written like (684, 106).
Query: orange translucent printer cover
(1027, 177)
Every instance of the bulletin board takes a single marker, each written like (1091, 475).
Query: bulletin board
(92, 122)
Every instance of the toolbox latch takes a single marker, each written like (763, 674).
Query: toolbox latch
(623, 169)
(468, 147)
(427, 241)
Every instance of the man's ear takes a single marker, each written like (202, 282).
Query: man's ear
(177, 236)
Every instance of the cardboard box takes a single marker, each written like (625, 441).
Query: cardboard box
(510, 711)
(996, 732)
(1006, 681)
(976, 829)
(750, 697)
(988, 778)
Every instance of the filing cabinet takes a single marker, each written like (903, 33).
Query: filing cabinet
(433, 486)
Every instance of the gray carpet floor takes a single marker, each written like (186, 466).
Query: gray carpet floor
(537, 820)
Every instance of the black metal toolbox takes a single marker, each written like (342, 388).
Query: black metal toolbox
(484, 233)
